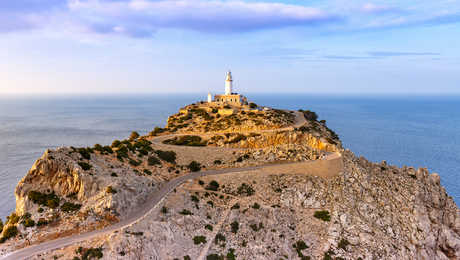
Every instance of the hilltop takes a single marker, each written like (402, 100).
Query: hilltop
(233, 182)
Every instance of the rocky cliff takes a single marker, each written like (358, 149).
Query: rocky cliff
(311, 199)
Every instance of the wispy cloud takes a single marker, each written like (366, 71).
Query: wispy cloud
(397, 54)
(141, 17)
(379, 9)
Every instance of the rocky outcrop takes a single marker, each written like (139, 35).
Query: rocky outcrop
(271, 139)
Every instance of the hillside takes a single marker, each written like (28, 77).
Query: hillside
(276, 185)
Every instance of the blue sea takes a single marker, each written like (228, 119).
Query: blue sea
(403, 130)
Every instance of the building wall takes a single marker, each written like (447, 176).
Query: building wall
(230, 99)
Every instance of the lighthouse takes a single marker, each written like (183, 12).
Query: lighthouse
(229, 98)
(228, 83)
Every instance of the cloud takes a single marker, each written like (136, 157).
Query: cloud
(396, 54)
(142, 18)
(379, 9)
(344, 57)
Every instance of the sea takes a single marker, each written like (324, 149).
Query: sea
(419, 131)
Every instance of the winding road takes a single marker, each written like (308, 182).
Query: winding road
(151, 202)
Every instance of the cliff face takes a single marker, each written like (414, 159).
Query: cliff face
(289, 138)
(58, 172)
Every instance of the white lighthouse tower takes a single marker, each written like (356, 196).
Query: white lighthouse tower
(228, 83)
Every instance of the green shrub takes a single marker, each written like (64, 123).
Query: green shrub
(157, 130)
(40, 210)
(8, 233)
(194, 166)
(133, 136)
(98, 147)
(210, 203)
(111, 190)
(85, 153)
(235, 206)
(256, 227)
(50, 200)
(187, 140)
(194, 198)
(343, 243)
(219, 238)
(116, 143)
(235, 226)
(152, 160)
(1, 226)
(90, 253)
(107, 149)
(51, 203)
(213, 185)
(217, 162)
(245, 189)
(187, 257)
(134, 162)
(201, 182)
(185, 212)
(42, 222)
(122, 152)
(13, 218)
(113, 174)
(323, 215)
(168, 156)
(256, 206)
(208, 226)
(252, 105)
(164, 210)
(299, 246)
(199, 240)
(147, 172)
(28, 222)
(214, 257)
(310, 115)
(69, 206)
(231, 254)
(85, 166)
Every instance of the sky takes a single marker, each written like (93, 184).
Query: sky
(271, 46)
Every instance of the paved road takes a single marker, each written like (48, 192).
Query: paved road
(153, 200)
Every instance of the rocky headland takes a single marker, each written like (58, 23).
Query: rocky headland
(258, 183)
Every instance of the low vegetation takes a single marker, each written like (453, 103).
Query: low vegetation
(85, 166)
(50, 200)
(194, 166)
(8, 233)
(213, 185)
(187, 140)
(323, 215)
(245, 190)
(199, 240)
(69, 207)
(168, 156)
(89, 253)
(235, 226)
(185, 212)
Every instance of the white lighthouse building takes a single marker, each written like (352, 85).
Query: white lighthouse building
(229, 84)
(229, 98)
